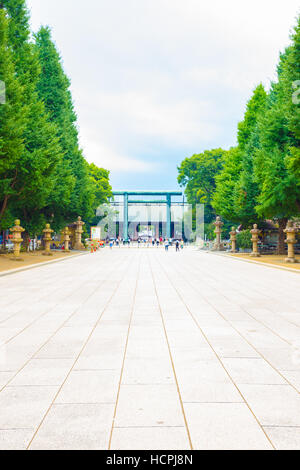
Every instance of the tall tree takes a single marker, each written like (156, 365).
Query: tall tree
(102, 191)
(246, 189)
(226, 179)
(35, 167)
(13, 120)
(198, 175)
(54, 90)
(279, 196)
(236, 190)
(102, 187)
(290, 77)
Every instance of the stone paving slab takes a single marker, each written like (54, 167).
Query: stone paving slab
(142, 349)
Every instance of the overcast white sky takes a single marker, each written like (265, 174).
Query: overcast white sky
(155, 81)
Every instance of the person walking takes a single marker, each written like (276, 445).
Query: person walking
(177, 245)
(167, 245)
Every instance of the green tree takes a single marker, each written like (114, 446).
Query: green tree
(102, 187)
(291, 84)
(246, 189)
(102, 191)
(198, 175)
(236, 190)
(54, 90)
(274, 166)
(13, 119)
(223, 196)
(35, 167)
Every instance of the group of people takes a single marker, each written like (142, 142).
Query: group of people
(155, 242)
(179, 244)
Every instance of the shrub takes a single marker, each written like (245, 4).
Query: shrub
(244, 239)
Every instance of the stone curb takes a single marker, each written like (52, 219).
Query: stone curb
(37, 265)
(283, 268)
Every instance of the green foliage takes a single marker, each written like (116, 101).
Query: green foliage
(243, 239)
(13, 119)
(198, 175)
(53, 88)
(261, 178)
(276, 161)
(30, 182)
(102, 187)
(102, 191)
(43, 173)
(254, 109)
(223, 196)
(237, 191)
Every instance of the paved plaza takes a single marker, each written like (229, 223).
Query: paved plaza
(142, 349)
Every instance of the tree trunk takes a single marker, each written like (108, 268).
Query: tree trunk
(4, 206)
(281, 248)
(26, 239)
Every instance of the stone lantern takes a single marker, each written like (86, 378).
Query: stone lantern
(255, 233)
(17, 239)
(218, 245)
(47, 239)
(291, 231)
(66, 238)
(78, 234)
(233, 240)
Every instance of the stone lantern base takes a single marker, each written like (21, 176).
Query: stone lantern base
(79, 247)
(47, 253)
(16, 258)
(291, 260)
(218, 247)
(255, 255)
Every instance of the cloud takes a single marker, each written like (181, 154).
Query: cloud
(155, 81)
(107, 157)
(173, 121)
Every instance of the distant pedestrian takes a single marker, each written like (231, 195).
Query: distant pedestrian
(167, 245)
(177, 245)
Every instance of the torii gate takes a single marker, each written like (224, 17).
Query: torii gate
(168, 201)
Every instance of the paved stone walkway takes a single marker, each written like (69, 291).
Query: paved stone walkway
(142, 349)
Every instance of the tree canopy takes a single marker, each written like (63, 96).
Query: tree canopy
(260, 177)
(198, 175)
(44, 175)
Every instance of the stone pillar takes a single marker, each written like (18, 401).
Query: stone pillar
(218, 245)
(17, 240)
(78, 234)
(233, 240)
(169, 218)
(47, 240)
(291, 241)
(125, 219)
(66, 235)
(255, 233)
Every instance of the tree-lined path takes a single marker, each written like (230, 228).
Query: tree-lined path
(142, 349)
